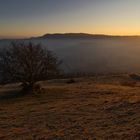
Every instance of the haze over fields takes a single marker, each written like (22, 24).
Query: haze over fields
(92, 53)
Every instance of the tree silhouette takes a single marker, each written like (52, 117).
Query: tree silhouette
(27, 63)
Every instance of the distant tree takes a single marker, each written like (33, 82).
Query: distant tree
(27, 63)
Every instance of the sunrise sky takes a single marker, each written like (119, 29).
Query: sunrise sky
(26, 18)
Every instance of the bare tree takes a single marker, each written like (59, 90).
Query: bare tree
(27, 63)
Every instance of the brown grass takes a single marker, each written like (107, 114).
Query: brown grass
(99, 108)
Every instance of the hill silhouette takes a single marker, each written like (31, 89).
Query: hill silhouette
(72, 36)
(83, 36)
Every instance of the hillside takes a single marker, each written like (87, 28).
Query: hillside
(84, 36)
(73, 36)
(101, 107)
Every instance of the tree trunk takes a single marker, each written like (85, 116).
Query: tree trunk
(28, 87)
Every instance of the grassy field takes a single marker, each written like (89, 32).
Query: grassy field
(93, 108)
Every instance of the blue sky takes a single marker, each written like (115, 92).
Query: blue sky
(24, 18)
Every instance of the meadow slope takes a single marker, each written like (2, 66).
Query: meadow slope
(94, 108)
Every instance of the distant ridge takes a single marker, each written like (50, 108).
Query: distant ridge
(77, 36)
(72, 36)
(82, 36)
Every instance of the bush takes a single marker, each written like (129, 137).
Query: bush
(27, 63)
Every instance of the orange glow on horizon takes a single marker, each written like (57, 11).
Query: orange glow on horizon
(20, 36)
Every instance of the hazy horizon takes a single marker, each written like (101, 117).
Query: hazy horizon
(110, 35)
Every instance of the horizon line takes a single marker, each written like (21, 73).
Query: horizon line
(99, 34)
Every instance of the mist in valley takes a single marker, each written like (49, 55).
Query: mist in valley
(117, 55)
